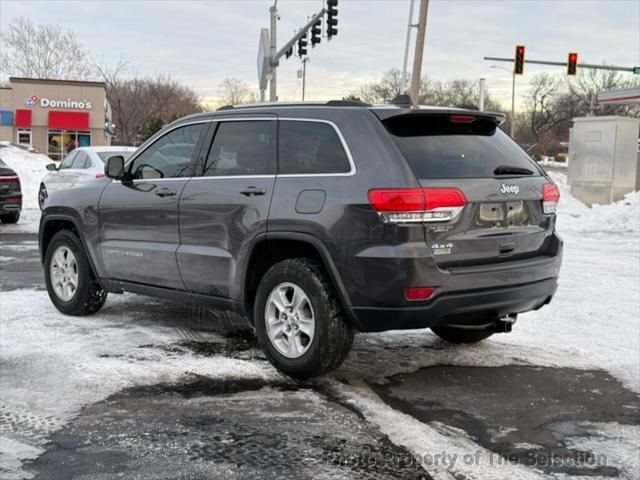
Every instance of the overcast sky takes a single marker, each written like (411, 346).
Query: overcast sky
(202, 42)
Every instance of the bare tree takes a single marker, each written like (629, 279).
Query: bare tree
(554, 100)
(143, 105)
(456, 93)
(42, 51)
(234, 91)
(544, 100)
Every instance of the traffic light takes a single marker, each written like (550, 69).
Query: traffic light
(288, 53)
(302, 46)
(332, 21)
(518, 63)
(572, 64)
(316, 31)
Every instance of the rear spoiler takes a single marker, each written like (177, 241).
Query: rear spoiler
(386, 112)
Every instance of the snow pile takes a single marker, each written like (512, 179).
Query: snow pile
(575, 216)
(30, 168)
(551, 162)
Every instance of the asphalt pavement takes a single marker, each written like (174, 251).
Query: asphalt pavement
(546, 419)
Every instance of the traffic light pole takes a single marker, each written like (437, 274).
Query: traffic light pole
(513, 105)
(273, 82)
(275, 55)
(564, 64)
(304, 75)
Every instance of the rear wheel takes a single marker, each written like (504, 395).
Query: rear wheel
(299, 321)
(460, 335)
(42, 196)
(71, 284)
(12, 217)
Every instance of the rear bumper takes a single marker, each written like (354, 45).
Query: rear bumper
(450, 307)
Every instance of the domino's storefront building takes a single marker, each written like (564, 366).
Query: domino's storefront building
(55, 116)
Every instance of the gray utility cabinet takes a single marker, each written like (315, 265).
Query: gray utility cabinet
(604, 163)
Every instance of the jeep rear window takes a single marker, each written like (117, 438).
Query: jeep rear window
(435, 147)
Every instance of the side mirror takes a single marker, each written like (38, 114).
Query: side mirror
(114, 167)
(52, 167)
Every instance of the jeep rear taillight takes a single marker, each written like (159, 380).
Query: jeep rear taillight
(550, 197)
(417, 205)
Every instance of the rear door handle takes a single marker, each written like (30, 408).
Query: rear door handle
(251, 191)
(165, 192)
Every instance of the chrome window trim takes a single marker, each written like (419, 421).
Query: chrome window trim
(152, 140)
(215, 177)
(352, 164)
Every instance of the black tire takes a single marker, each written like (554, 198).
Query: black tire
(459, 335)
(42, 196)
(89, 297)
(333, 335)
(12, 217)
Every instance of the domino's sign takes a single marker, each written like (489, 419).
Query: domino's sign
(34, 100)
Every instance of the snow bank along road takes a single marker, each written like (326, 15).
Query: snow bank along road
(153, 389)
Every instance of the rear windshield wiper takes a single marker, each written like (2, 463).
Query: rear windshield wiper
(507, 170)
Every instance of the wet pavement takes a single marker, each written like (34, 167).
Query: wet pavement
(554, 421)
(206, 429)
(529, 415)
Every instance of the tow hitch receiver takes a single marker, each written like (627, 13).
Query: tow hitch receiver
(504, 324)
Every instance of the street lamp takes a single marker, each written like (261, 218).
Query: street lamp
(513, 95)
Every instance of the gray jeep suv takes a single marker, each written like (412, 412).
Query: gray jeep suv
(316, 220)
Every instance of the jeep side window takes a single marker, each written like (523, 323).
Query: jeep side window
(170, 155)
(306, 147)
(242, 148)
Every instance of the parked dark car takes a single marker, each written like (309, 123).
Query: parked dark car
(10, 195)
(314, 221)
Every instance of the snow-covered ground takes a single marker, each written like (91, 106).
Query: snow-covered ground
(52, 365)
(30, 168)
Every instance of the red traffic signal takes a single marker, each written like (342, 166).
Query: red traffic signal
(572, 64)
(518, 61)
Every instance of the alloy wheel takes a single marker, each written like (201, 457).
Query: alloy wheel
(63, 272)
(289, 318)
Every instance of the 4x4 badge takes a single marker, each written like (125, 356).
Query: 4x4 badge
(509, 189)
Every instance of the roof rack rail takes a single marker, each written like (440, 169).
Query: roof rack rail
(330, 103)
(347, 103)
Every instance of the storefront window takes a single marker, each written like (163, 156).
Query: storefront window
(63, 142)
(84, 139)
(24, 136)
(55, 145)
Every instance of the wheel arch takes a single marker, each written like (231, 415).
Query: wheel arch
(272, 247)
(54, 223)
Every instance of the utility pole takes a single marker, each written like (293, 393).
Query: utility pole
(481, 100)
(304, 74)
(410, 25)
(417, 59)
(513, 105)
(273, 62)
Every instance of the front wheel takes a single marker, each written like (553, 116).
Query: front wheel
(299, 321)
(459, 335)
(70, 281)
